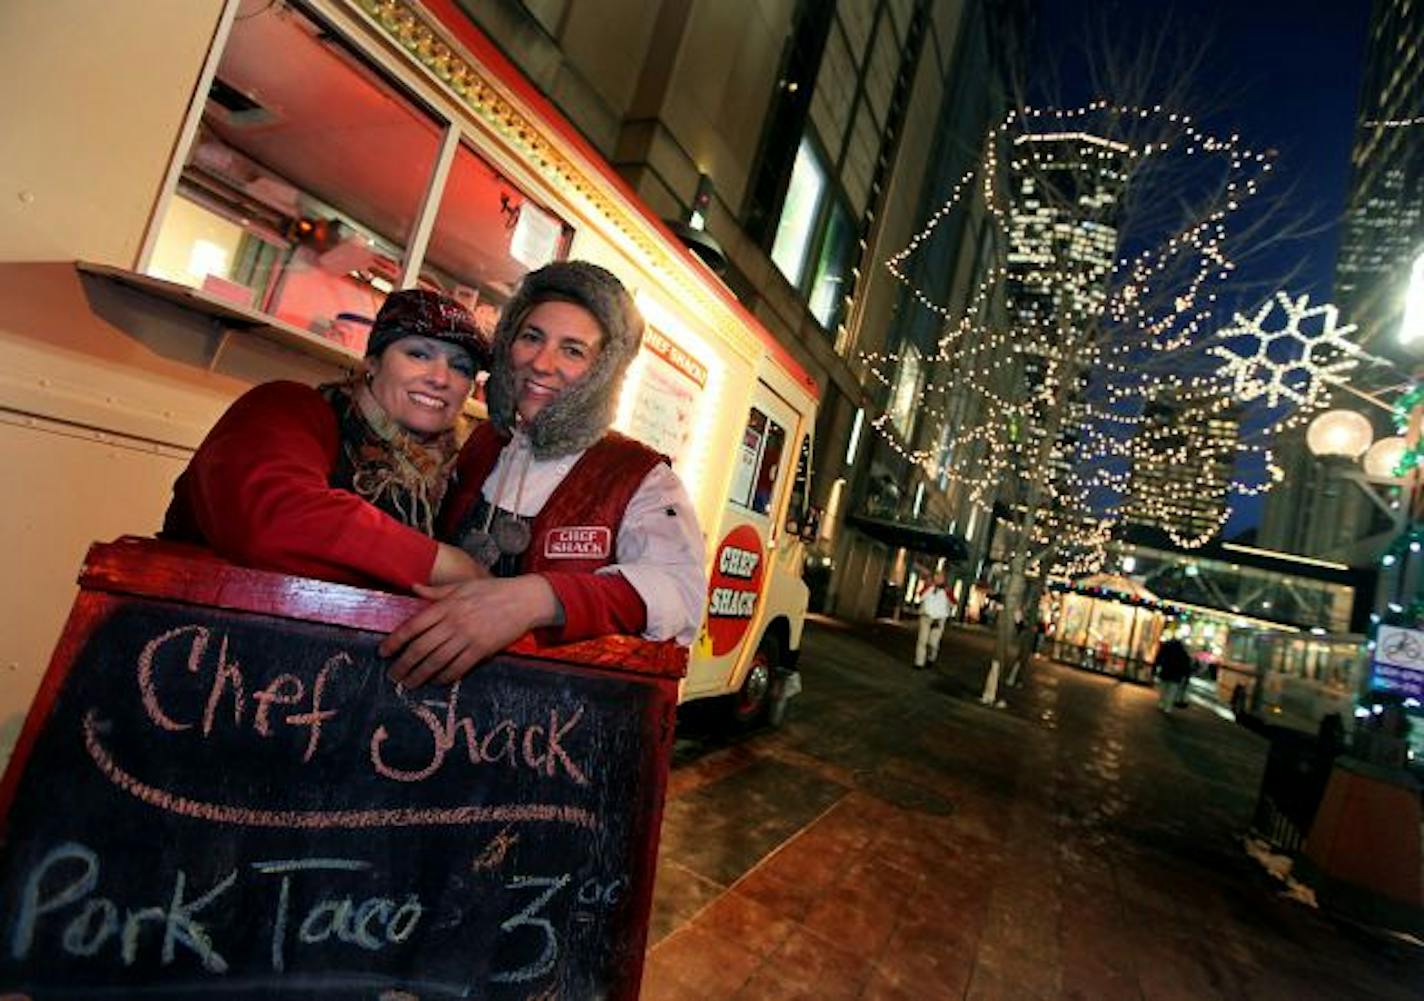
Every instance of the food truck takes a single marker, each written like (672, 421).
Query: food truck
(203, 195)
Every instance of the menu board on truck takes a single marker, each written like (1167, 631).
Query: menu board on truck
(666, 402)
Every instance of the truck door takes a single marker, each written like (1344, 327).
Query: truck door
(746, 543)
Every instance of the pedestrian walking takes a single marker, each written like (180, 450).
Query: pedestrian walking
(1174, 670)
(935, 605)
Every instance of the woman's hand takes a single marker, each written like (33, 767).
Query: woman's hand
(466, 623)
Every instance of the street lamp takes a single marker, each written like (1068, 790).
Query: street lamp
(1383, 456)
(1338, 439)
(1342, 433)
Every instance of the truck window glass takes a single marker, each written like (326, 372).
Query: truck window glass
(758, 464)
(307, 172)
(769, 469)
(800, 486)
(748, 454)
(487, 235)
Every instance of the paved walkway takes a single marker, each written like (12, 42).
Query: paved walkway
(896, 841)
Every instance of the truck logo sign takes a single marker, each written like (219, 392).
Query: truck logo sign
(737, 575)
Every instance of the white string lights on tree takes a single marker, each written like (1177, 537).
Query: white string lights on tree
(1089, 313)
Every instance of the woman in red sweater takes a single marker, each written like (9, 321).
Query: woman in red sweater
(343, 482)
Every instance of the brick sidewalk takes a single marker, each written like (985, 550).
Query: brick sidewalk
(896, 840)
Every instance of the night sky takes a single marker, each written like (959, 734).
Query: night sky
(1284, 74)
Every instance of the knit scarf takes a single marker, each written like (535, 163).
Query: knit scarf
(384, 464)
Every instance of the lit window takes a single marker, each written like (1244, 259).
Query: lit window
(907, 391)
(791, 247)
(854, 443)
(306, 175)
(828, 290)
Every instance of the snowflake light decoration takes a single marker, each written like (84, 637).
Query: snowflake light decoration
(1275, 368)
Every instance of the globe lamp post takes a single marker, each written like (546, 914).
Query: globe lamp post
(1340, 434)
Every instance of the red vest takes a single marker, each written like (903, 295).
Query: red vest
(577, 529)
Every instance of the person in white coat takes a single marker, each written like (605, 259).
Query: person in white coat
(934, 612)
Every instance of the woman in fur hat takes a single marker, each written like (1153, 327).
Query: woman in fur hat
(588, 532)
(343, 482)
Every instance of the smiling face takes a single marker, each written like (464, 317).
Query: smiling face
(421, 383)
(554, 348)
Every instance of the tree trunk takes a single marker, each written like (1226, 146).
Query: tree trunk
(1006, 648)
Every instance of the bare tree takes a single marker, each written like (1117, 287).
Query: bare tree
(1122, 233)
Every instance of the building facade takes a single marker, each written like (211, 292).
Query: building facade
(1183, 459)
(1384, 222)
(808, 140)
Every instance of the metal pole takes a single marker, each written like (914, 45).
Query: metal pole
(1410, 564)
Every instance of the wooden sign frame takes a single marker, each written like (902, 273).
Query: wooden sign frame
(628, 687)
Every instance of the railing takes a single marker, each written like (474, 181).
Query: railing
(1100, 661)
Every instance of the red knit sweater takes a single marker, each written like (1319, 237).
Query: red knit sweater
(257, 492)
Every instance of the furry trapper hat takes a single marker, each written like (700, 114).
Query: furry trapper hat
(583, 411)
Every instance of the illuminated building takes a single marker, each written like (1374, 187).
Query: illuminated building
(1182, 468)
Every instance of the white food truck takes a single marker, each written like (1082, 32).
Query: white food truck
(221, 192)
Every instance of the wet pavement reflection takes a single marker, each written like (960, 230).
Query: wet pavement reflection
(895, 839)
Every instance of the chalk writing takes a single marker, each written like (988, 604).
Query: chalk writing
(594, 892)
(220, 799)
(528, 918)
(494, 852)
(227, 682)
(98, 920)
(62, 887)
(529, 745)
(372, 924)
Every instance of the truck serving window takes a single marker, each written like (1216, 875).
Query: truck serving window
(487, 235)
(313, 178)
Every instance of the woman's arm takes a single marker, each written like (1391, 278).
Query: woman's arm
(453, 564)
(257, 491)
(657, 588)
(661, 553)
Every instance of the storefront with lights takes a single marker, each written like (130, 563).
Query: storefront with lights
(1106, 623)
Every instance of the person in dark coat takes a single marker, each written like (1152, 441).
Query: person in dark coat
(1174, 670)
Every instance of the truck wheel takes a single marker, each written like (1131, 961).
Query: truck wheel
(749, 705)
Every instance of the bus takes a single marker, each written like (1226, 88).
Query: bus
(1292, 679)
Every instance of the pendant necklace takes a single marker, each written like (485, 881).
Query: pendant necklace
(506, 535)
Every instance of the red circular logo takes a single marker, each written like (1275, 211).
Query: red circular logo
(737, 574)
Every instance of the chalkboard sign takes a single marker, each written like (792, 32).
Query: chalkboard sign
(218, 789)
